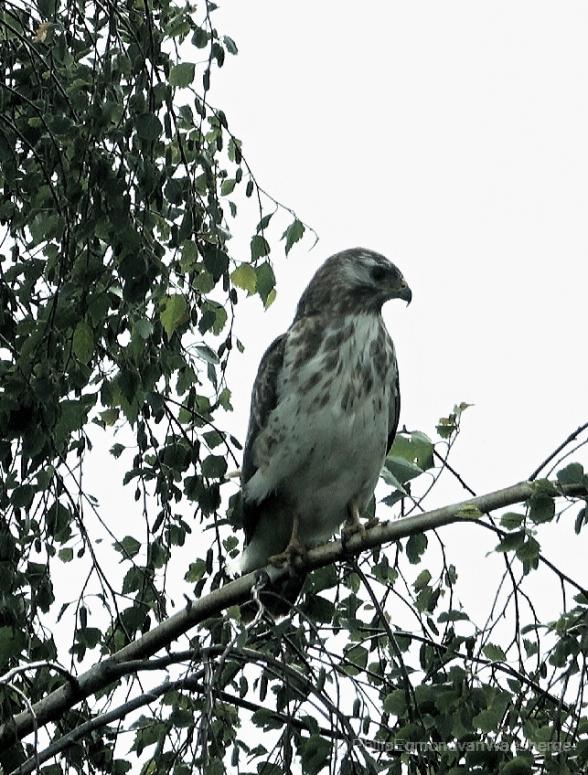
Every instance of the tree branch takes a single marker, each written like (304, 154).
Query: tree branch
(235, 592)
(189, 682)
(574, 435)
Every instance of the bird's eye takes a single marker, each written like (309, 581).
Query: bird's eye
(378, 273)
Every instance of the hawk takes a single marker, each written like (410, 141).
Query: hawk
(324, 413)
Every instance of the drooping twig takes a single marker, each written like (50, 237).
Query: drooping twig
(235, 592)
(557, 450)
(98, 722)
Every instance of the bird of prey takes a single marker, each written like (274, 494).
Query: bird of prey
(324, 412)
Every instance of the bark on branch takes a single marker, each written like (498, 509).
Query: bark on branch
(106, 672)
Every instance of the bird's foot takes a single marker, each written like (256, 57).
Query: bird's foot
(351, 528)
(289, 556)
(372, 523)
(353, 525)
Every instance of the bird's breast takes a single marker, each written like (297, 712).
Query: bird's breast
(325, 442)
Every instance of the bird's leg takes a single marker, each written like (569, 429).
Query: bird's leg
(371, 523)
(353, 523)
(294, 549)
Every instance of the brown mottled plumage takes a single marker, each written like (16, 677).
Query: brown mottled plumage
(324, 412)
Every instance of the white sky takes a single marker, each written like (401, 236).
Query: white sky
(452, 137)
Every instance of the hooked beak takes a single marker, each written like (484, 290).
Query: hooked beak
(405, 293)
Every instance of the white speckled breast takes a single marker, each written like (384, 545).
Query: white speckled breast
(325, 442)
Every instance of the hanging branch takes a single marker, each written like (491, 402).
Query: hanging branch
(235, 592)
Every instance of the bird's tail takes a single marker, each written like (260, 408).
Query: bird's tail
(277, 597)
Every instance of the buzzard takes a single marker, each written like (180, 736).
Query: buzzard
(324, 412)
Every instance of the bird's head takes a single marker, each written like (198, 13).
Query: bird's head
(371, 273)
(355, 280)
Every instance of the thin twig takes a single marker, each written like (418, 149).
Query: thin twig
(235, 592)
(556, 451)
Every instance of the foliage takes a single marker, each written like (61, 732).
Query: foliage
(120, 185)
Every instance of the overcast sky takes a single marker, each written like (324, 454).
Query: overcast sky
(453, 138)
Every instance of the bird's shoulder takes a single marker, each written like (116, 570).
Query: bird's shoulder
(264, 398)
(394, 405)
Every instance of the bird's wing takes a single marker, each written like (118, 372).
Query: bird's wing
(264, 398)
(394, 408)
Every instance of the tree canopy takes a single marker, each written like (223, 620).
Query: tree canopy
(119, 290)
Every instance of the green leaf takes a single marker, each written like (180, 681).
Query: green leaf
(422, 580)
(195, 572)
(319, 608)
(47, 8)
(427, 599)
(415, 547)
(452, 616)
(581, 519)
(207, 354)
(109, 416)
(133, 580)
(22, 497)
(541, 508)
(314, 753)
(265, 282)
(264, 222)
(216, 261)
(520, 765)
(512, 541)
(128, 547)
(89, 637)
(494, 653)
(399, 489)
(395, 703)
(148, 126)
(571, 474)
(83, 342)
(227, 186)
(143, 327)
(200, 38)
(180, 717)
(182, 75)
(266, 719)
(245, 277)
(293, 233)
(12, 641)
(59, 519)
(230, 45)
(511, 520)
(259, 247)
(402, 470)
(220, 318)
(358, 656)
(529, 550)
(323, 578)
(416, 448)
(175, 312)
(214, 466)
(488, 720)
(65, 554)
(446, 427)
(120, 767)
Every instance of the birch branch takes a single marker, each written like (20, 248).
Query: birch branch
(235, 592)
